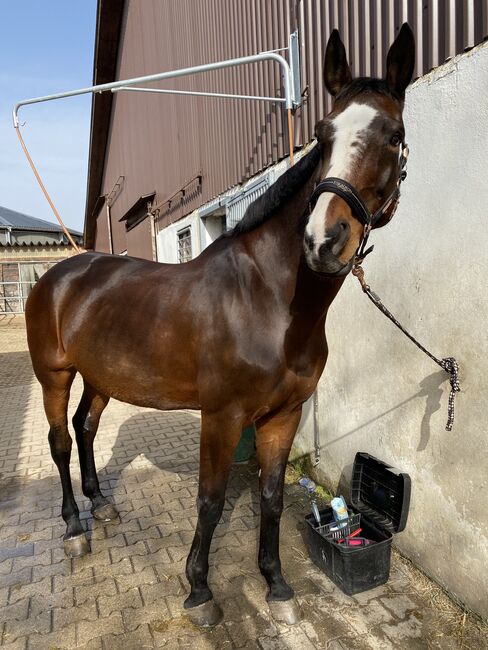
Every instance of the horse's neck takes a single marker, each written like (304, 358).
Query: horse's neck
(277, 249)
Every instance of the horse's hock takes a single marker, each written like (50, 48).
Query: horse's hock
(128, 592)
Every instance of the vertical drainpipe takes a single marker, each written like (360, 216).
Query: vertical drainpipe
(109, 224)
(316, 430)
(152, 217)
(9, 235)
(294, 10)
(199, 233)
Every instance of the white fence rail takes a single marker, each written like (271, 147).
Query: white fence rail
(16, 282)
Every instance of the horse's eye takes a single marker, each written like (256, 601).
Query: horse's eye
(396, 139)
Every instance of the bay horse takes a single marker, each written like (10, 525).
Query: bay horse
(238, 332)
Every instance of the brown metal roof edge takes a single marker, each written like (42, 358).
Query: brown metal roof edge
(140, 203)
(107, 37)
(98, 205)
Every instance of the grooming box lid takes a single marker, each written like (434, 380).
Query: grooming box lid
(380, 492)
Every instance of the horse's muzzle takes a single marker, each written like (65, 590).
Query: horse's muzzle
(327, 264)
(325, 258)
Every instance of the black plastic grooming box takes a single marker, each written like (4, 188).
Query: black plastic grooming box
(380, 494)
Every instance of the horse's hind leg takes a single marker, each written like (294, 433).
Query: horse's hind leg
(56, 387)
(219, 439)
(85, 423)
(274, 437)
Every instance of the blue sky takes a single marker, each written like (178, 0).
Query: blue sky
(46, 47)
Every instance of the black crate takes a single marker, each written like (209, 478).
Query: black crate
(380, 494)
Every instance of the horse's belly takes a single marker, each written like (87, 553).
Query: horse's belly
(144, 384)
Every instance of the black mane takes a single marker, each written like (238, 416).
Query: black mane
(283, 189)
(366, 85)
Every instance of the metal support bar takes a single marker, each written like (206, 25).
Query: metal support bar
(290, 99)
(294, 55)
(316, 428)
(198, 94)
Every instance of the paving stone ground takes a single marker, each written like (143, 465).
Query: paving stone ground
(128, 593)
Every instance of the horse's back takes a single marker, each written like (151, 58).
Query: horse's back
(120, 322)
(76, 279)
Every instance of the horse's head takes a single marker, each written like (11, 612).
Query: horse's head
(362, 141)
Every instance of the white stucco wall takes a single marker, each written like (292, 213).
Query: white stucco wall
(167, 239)
(381, 395)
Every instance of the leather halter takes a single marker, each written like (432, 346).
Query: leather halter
(353, 199)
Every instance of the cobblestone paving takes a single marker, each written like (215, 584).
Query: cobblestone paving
(128, 593)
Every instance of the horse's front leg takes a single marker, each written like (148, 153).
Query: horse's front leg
(219, 438)
(274, 438)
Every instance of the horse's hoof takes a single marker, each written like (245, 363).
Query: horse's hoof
(106, 512)
(76, 546)
(285, 611)
(205, 615)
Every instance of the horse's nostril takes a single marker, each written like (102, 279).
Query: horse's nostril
(337, 237)
(309, 241)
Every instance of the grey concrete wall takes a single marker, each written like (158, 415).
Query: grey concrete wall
(381, 395)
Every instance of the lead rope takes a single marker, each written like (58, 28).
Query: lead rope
(45, 192)
(449, 364)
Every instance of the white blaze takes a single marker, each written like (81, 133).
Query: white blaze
(350, 127)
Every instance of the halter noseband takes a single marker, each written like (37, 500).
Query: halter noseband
(359, 210)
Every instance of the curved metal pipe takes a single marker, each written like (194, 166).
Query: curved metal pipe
(183, 72)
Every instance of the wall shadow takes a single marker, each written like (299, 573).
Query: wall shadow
(431, 388)
(16, 375)
(168, 440)
(15, 369)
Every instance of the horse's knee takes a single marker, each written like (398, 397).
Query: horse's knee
(78, 421)
(210, 509)
(85, 435)
(60, 442)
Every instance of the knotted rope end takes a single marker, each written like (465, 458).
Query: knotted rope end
(450, 365)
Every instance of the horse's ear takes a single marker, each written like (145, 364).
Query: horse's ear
(400, 61)
(336, 69)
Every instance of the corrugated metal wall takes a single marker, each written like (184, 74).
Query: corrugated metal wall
(204, 146)
(443, 28)
(165, 143)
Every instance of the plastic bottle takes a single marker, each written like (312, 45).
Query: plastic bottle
(308, 484)
(339, 510)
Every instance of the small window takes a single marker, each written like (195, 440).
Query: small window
(184, 245)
